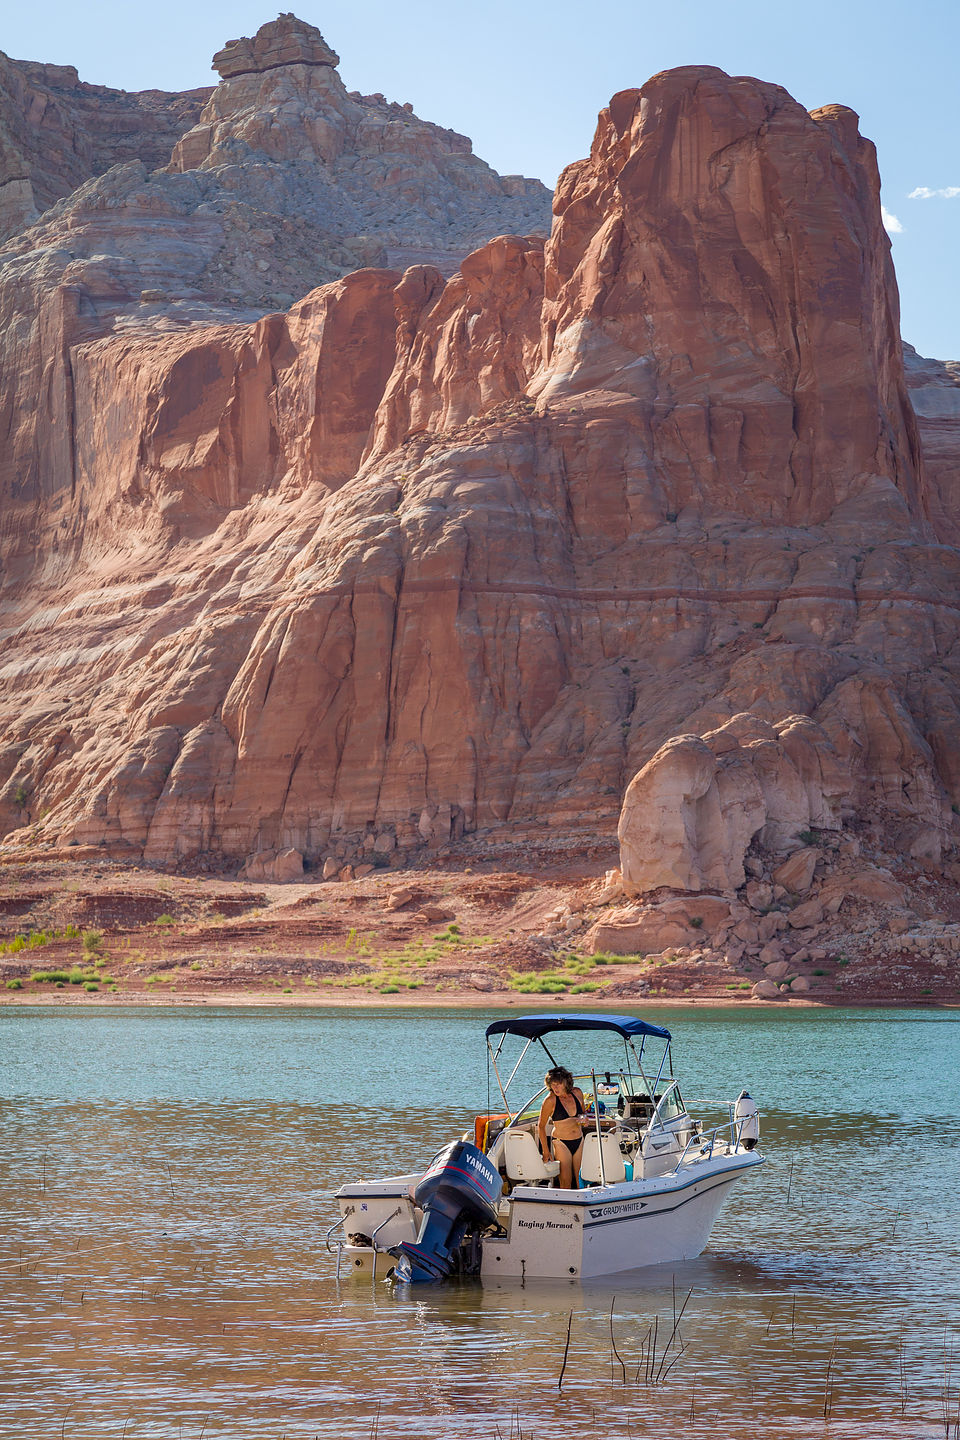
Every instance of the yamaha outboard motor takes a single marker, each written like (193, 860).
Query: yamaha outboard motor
(459, 1192)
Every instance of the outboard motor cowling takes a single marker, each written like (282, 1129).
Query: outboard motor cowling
(458, 1192)
(747, 1120)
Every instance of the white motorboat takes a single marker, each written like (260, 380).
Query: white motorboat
(651, 1178)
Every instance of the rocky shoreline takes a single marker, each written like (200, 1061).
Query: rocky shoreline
(463, 930)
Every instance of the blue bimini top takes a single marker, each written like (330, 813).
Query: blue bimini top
(531, 1027)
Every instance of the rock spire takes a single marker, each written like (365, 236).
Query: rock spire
(284, 41)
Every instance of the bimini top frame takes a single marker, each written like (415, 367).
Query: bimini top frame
(531, 1027)
(534, 1027)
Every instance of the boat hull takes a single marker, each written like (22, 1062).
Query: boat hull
(611, 1229)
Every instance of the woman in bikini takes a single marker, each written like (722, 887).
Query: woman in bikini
(564, 1105)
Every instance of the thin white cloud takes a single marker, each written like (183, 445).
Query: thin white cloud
(923, 192)
(890, 222)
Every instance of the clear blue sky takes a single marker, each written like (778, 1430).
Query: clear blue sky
(525, 82)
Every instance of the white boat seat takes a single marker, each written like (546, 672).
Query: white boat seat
(613, 1166)
(523, 1158)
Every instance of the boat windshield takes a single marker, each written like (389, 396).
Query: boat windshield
(614, 1094)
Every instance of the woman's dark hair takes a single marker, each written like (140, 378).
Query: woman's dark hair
(560, 1072)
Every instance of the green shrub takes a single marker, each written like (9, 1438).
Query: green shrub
(696, 922)
(14, 984)
(91, 987)
(586, 988)
(389, 989)
(92, 940)
(164, 920)
(807, 836)
(605, 957)
(530, 983)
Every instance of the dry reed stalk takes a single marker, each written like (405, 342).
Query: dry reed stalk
(828, 1383)
(676, 1321)
(566, 1351)
(643, 1352)
(948, 1356)
(613, 1347)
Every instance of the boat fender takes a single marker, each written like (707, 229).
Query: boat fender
(747, 1120)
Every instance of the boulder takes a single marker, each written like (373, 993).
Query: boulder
(759, 896)
(288, 865)
(397, 899)
(799, 984)
(865, 882)
(765, 990)
(809, 912)
(690, 813)
(612, 888)
(276, 866)
(331, 868)
(436, 914)
(796, 872)
(777, 970)
(769, 925)
(644, 930)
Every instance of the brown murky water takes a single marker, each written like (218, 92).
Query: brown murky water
(164, 1191)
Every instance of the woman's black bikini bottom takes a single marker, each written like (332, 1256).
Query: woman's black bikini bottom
(572, 1145)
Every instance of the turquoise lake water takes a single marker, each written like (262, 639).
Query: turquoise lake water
(165, 1186)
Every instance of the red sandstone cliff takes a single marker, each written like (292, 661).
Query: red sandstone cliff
(420, 557)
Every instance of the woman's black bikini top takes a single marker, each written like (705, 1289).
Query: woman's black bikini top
(559, 1113)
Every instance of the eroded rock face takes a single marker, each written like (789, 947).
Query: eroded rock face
(57, 132)
(935, 396)
(690, 814)
(415, 558)
(284, 181)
